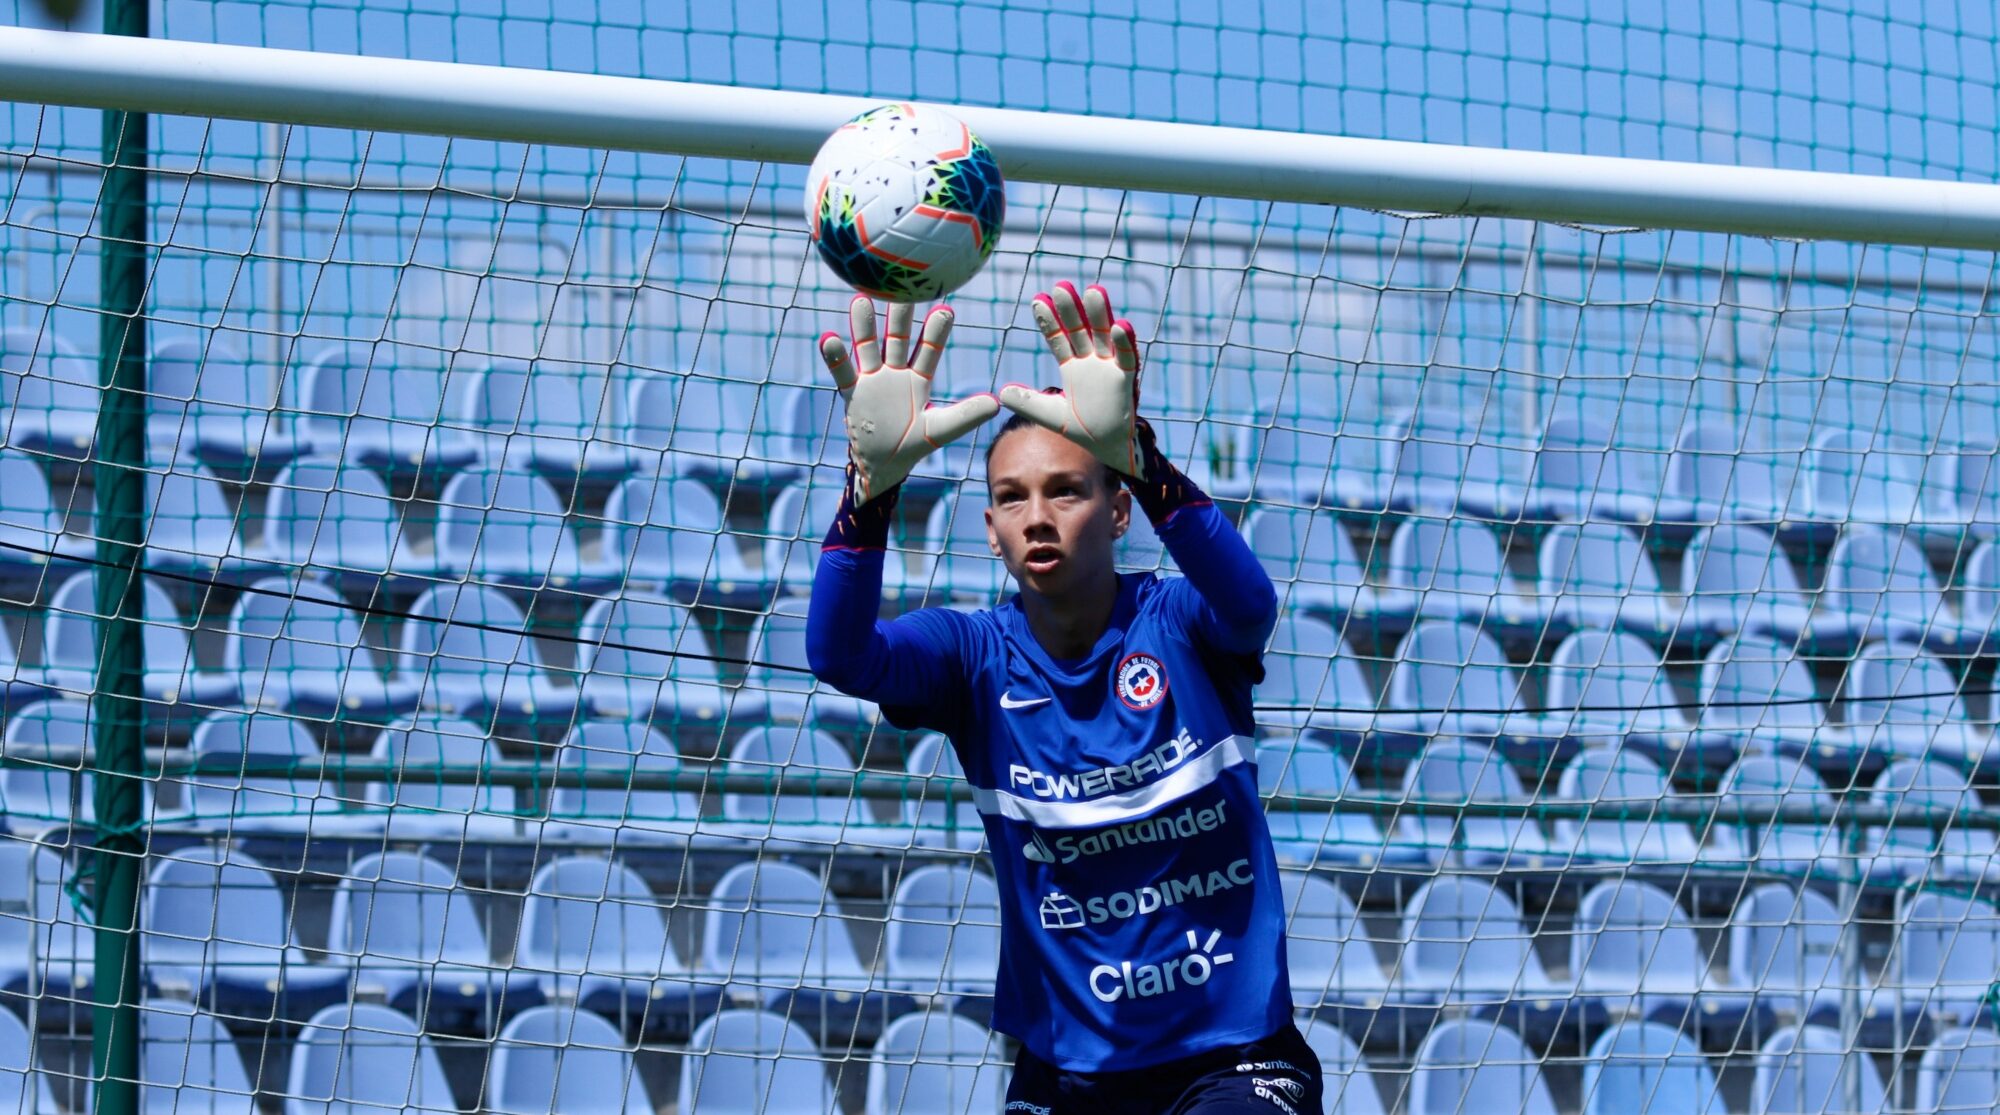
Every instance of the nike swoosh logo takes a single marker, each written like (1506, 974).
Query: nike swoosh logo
(1007, 701)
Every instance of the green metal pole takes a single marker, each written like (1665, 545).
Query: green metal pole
(117, 708)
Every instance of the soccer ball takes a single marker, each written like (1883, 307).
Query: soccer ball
(905, 203)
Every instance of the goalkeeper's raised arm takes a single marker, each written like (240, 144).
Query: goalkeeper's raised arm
(1103, 721)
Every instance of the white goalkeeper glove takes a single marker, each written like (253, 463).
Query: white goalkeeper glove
(1098, 407)
(890, 423)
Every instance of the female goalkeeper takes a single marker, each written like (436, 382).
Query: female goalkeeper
(1103, 720)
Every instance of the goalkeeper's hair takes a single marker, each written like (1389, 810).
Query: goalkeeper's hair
(1019, 421)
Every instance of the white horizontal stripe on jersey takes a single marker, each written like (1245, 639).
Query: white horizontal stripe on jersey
(1192, 776)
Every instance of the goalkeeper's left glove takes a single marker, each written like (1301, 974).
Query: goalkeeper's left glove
(1098, 407)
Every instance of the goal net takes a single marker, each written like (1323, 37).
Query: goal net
(1625, 728)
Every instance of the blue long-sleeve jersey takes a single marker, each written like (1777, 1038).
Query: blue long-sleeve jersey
(1141, 916)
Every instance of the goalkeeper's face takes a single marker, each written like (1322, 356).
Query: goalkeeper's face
(1054, 512)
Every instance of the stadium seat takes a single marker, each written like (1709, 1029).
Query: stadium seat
(1308, 555)
(1307, 837)
(1724, 480)
(943, 936)
(372, 409)
(1327, 951)
(773, 934)
(1800, 1072)
(782, 675)
(1882, 584)
(1976, 490)
(1451, 771)
(1623, 788)
(594, 934)
(216, 931)
(1634, 950)
(1312, 680)
(1645, 1068)
(1583, 475)
(965, 568)
(644, 658)
(420, 806)
(296, 648)
(57, 946)
(1473, 1065)
(35, 799)
(1861, 476)
(812, 800)
(192, 531)
(1784, 947)
(754, 1062)
(469, 651)
(362, 1058)
(1978, 583)
(666, 534)
(559, 1059)
(1310, 458)
(1445, 465)
(327, 518)
(1754, 690)
(1782, 846)
(20, 685)
(1914, 851)
(1947, 950)
(1960, 1071)
(1464, 944)
(32, 537)
(1596, 577)
(70, 654)
(188, 1064)
(219, 796)
(722, 432)
(48, 394)
(1901, 702)
(499, 524)
(1348, 1088)
(417, 942)
(796, 529)
(24, 1087)
(938, 823)
(1455, 573)
(1738, 579)
(558, 421)
(607, 816)
(208, 400)
(1608, 686)
(935, 1064)
(1453, 679)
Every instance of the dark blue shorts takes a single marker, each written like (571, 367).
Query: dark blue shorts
(1278, 1075)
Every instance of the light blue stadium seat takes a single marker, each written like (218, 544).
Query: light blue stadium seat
(416, 941)
(754, 1062)
(773, 933)
(1978, 583)
(363, 406)
(472, 656)
(935, 1063)
(336, 520)
(1454, 572)
(558, 420)
(189, 1065)
(604, 816)
(1582, 474)
(20, 685)
(1913, 851)
(1609, 686)
(964, 568)
(1452, 770)
(295, 647)
(1598, 576)
(1623, 787)
(644, 657)
(216, 931)
(1296, 459)
(1348, 1088)
(1882, 584)
(1975, 493)
(651, 428)
(1453, 679)
(500, 524)
(727, 433)
(938, 823)
(1464, 944)
(1947, 950)
(1862, 476)
(1756, 690)
(36, 800)
(1633, 949)
(69, 648)
(20, 929)
(1738, 580)
(1308, 555)
(814, 803)
(781, 673)
(191, 529)
(32, 539)
(797, 525)
(594, 934)
(58, 945)
(48, 394)
(1725, 480)
(209, 400)
(1799, 1072)
(552, 1059)
(1901, 702)
(1472, 1065)
(1645, 1068)
(365, 1059)
(1313, 680)
(219, 796)
(1786, 847)
(666, 534)
(1308, 837)
(24, 1087)
(1327, 952)
(1960, 1071)
(1784, 947)
(1446, 466)
(420, 806)
(943, 936)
